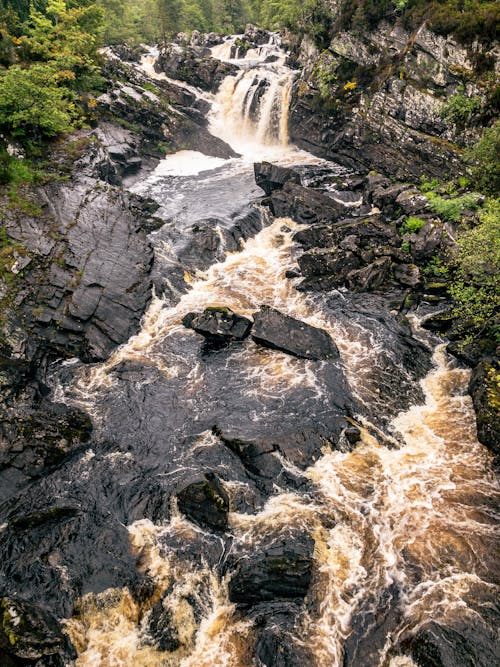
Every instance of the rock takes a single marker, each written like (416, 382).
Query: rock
(30, 633)
(407, 274)
(468, 644)
(256, 35)
(205, 502)
(335, 262)
(487, 416)
(425, 243)
(272, 177)
(370, 277)
(274, 623)
(412, 201)
(281, 332)
(440, 322)
(39, 438)
(162, 629)
(219, 325)
(352, 434)
(281, 569)
(304, 205)
(193, 65)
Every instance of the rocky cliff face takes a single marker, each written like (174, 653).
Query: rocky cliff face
(372, 100)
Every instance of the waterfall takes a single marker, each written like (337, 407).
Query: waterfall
(252, 106)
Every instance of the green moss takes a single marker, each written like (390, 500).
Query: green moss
(412, 225)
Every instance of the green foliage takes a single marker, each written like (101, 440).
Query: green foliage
(412, 225)
(56, 63)
(33, 104)
(485, 162)
(451, 209)
(476, 285)
(461, 109)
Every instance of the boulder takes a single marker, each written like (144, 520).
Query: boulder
(281, 569)
(205, 501)
(323, 262)
(487, 417)
(370, 277)
(305, 205)
(219, 325)
(194, 66)
(256, 35)
(468, 644)
(280, 332)
(29, 635)
(271, 177)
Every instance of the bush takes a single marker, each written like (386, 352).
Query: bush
(412, 225)
(32, 104)
(476, 285)
(451, 209)
(485, 162)
(461, 109)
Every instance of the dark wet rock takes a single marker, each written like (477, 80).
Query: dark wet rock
(206, 39)
(336, 262)
(256, 35)
(281, 569)
(487, 416)
(465, 642)
(354, 235)
(272, 177)
(370, 277)
(257, 457)
(193, 65)
(41, 438)
(274, 624)
(128, 53)
(377, 617)
(162, 629)
(218, 324)
(281, 332)
(440, 322)
(30, 635)
(407, 274)
(304, 205)
(205, 501)
(352, 434)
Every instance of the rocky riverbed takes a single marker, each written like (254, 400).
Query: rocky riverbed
(230, 433)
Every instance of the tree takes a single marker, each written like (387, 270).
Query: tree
(33, 104)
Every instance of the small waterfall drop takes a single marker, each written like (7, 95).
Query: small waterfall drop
(251, 108)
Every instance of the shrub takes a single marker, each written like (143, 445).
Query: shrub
(460, 109)
(451, 209)
(32, 104)
(476, 284)
(485, 162)
(412, 225)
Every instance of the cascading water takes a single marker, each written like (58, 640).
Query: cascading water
(253, 106)
(403, 534)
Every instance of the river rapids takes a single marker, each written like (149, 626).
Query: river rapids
(403, 524)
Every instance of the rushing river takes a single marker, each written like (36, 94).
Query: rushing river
(403, 524)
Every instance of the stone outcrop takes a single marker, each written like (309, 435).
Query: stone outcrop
(381, 111)
(282, 332)
(218, 325)
(281, 569)
(194, 66)
(205, 501)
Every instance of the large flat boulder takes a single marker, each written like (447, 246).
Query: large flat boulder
(218, 324)
(272, 177)
(279, 570)
(281, 332)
